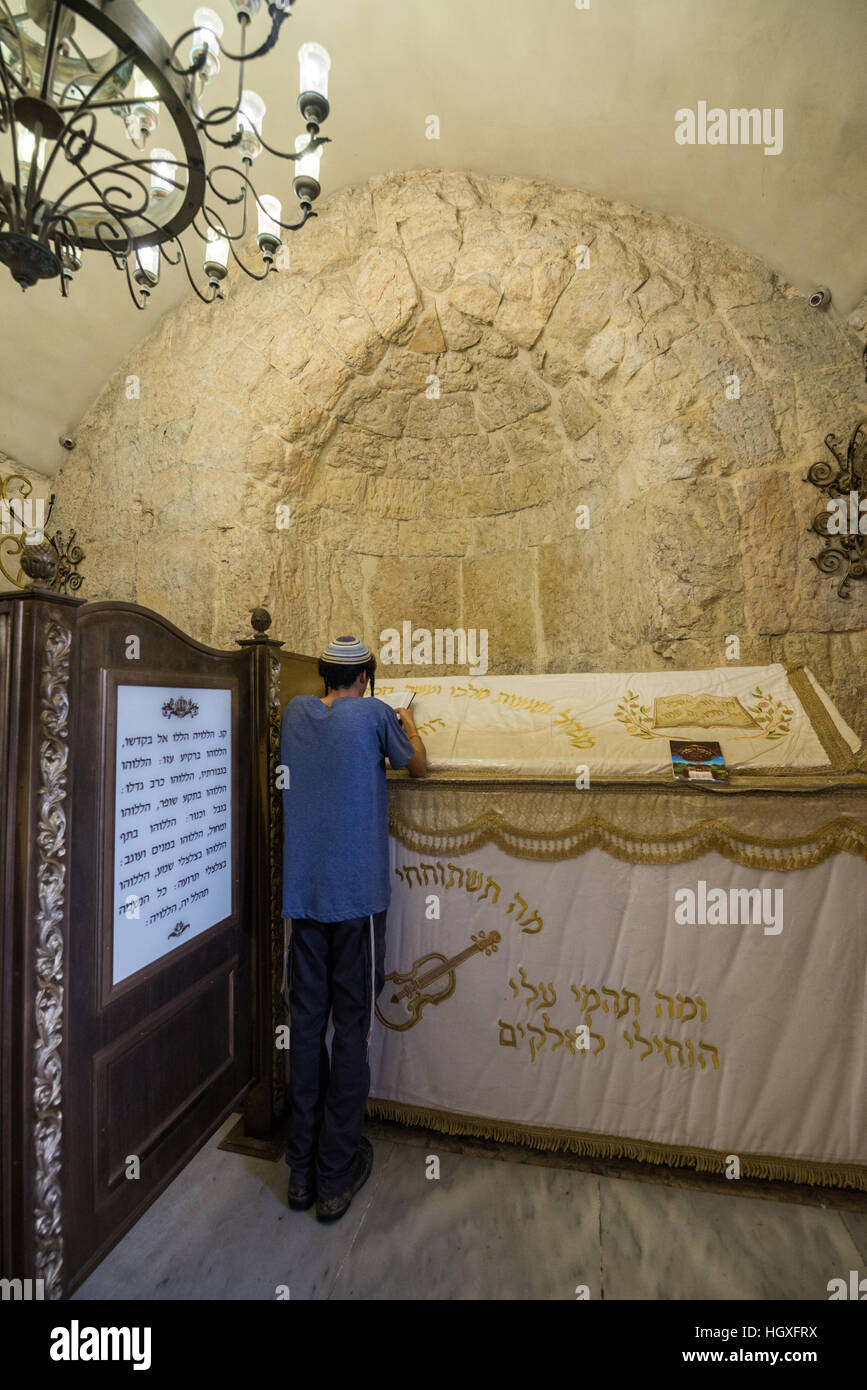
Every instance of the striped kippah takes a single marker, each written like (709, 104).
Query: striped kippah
(346, 651)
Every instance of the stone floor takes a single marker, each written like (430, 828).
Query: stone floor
(483, 1230)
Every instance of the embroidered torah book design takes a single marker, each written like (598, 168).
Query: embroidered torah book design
(701, 712)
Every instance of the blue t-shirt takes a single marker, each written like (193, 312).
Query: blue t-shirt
(335, 811)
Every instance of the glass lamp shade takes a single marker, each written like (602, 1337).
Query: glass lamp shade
(270, 211)
(145, 92)
(26, 143)
(314, 64)
(251, 114)
(147, 270)
(206, 39)
(163, 171)
(216, 261)
(308, 167)
(250, 8)
(144, 114)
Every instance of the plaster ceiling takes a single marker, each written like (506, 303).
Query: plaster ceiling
(580, 97)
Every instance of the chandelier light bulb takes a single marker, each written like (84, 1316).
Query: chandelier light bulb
(26, 142)
(147, 271)
(247, 9)
(308, 167)
(206, 39)
(314, 64)
(270, 211)
(145, 91)
(163, 171)
(216, 261)
(251, 114)
(144, 115)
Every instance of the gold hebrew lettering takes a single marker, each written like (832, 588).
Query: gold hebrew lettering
(453, 869)
(490, 883)
(685, 999)
(670, 1004)
(615, 994)
(505, 1041)
(640, 1039)
(531, 1028)
(526, 985)
(533, 930)
(709, 1047)
(511, 906)
(627, 995)
(699, 1000)
(669, 1044)
(548, 1029)
(587, 994)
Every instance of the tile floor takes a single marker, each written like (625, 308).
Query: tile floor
(483, 1230)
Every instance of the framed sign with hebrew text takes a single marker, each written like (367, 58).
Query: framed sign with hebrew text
(172, 875)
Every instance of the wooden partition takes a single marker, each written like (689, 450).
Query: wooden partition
(140, 923)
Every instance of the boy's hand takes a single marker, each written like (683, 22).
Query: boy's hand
(407, 723)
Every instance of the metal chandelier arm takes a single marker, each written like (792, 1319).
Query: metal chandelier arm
(239, 173)
(277, 15)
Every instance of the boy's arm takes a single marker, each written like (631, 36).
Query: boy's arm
(417, 765)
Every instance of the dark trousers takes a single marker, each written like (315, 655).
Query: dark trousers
(330, 973)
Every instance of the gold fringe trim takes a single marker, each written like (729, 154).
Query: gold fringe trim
(673, 847)
(840, 755)
(771, 1166)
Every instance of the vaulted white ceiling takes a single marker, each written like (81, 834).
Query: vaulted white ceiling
(584, 97)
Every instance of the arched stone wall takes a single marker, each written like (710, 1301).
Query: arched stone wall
(435, 385)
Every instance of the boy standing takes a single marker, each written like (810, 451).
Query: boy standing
(336, 890)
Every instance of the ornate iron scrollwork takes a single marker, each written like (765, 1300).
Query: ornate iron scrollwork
(51, 878)
(844, 549)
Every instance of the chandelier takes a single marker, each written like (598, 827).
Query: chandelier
(85, 85)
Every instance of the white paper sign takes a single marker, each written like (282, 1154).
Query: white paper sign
(172, 820)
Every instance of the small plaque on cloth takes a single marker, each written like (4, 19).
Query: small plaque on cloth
(692, 762)
(701, 712)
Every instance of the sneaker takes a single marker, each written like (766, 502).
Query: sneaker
(302, 1192)
(332, 1208)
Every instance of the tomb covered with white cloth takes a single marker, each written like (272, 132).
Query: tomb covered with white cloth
(585, 952)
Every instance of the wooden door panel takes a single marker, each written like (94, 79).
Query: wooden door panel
(156, 1061)
(148, 1078)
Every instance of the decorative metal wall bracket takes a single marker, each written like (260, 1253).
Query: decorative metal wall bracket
(845, 513)
(45, 561)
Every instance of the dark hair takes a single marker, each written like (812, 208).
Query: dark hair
(337, 676)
